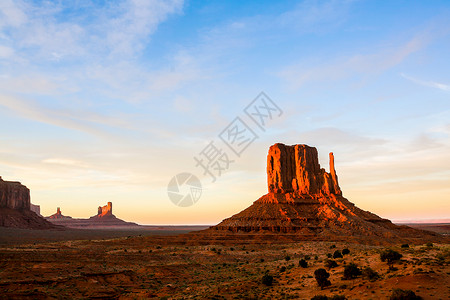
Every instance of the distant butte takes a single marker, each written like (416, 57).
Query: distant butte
(104, 211)
(58, 215)
(305, 200)
(15, 207)
(103, 219)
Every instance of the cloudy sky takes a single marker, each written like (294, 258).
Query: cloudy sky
(108, 100)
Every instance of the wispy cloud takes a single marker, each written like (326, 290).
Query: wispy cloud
(300, 74)
(60, 117)
(433, 84)
(65, 162)
(87, 44)
(316, 16)
(91, 30)
(338, 137)
(61, 63)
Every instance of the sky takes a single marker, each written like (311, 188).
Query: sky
(109, 100)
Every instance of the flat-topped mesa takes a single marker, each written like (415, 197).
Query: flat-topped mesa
(296, 169)
(14, 195)
(105, 210)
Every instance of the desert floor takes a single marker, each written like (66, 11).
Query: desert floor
(182, 267)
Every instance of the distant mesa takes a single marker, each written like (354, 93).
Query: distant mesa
(103, 219)
(58, 215)
(36, 209)
(16, 209)
(305, 200)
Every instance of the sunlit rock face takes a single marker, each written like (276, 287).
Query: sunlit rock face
(105, 210)
(296, 169)
(306, 200)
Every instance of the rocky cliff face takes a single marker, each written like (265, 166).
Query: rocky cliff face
(15, 207)
(105, 210)
(36, 209)
(296, 169)
(14, 195)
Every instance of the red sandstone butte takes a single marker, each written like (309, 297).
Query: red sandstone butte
(296, 169)
(105, 210)
(306, 200)
(58, 215)
(103, 219)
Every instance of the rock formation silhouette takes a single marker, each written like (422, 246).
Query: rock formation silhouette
(36, 209)
(103, 219)
(58, 215)
(15, 207)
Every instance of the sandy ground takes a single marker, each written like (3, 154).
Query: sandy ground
(179, 267)
(15, 236)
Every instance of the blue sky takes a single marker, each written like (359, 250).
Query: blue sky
(107, 100)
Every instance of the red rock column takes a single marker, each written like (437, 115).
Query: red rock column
(307, 169)
(334, 178)
(280, 168)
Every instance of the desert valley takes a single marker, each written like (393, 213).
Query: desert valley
(272, 250)
(181, 149)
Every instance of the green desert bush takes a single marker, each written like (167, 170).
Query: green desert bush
(287, 258)
(345, 251)
(323, 297)
(282, 269)
(329, 263)
(351, 271)
(303, 263)
(267, 279)
(399, 294)
(337, 254)
(370, 274)
(322, 276)
(405, 246)
(390, 256)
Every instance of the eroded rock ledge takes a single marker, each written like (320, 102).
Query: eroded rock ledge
(296, 169)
